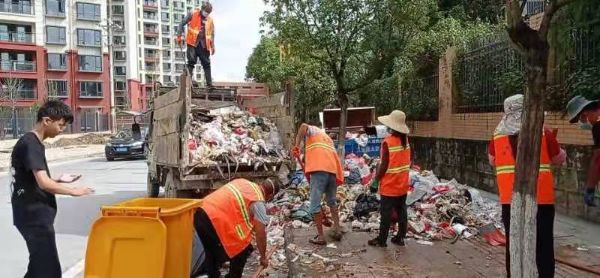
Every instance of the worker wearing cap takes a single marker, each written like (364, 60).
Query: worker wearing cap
(503, 155)
(393, 178)
(587, 114)
(227, 221)
(325, 173)
(199, 39)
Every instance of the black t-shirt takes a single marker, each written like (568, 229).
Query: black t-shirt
(31, 205)
(596, 134)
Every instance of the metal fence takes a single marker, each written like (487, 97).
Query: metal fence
(12, 127)
(488, 74)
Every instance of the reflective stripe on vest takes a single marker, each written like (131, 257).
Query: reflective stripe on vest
(228, 209)
(395, 182)
(321, 155)
(505, 172)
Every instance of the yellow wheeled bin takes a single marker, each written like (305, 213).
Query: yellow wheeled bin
(145, 237)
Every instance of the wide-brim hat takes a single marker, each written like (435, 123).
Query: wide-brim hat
(396, 121)
(575, 106)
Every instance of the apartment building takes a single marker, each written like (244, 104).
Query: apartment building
(144, 48)
(57, 49)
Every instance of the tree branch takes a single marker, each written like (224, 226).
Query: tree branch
(554, 7)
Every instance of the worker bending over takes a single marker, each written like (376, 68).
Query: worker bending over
(586, 114)
(502, 154)
(325, 173)
(227, 220)
(392, 176)
(199, 39)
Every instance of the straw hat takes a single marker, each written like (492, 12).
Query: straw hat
(396, 121)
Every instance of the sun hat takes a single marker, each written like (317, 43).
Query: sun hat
(396, 121)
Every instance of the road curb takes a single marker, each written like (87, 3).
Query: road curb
(64, 159)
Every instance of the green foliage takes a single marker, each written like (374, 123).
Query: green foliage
(265, 65)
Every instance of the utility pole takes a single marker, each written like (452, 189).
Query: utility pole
(108, 26)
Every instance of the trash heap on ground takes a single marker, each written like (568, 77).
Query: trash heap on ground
(437, 209)
(235, 136)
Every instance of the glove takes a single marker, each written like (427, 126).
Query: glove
(588, 196)
(296, 151)
(374, 186)
(178, 39)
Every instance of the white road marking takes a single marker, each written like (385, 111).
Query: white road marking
(75, 271)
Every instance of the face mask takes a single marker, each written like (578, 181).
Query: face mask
(204, 14)
(585, 126)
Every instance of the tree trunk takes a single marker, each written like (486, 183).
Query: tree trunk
(343, 99)
(524, 206)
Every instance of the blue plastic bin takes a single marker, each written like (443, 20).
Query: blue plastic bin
(371, 149)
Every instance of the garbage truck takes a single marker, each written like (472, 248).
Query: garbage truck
(170, 163)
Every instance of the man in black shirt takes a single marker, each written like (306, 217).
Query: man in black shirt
(33, 200)
(587, 114)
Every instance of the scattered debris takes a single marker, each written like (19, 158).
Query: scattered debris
(424, 242)
(86, 139)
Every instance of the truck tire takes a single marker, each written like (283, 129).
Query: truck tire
(152, 188)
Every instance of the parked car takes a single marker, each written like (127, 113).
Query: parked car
(124, 145)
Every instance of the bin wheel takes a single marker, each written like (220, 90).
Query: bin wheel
(152, 188)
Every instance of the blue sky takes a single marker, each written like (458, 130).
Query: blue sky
(237, 29)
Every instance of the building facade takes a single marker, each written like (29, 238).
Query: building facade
(56, 49)
(144, 49)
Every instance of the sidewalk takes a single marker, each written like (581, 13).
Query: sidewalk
(59, 154)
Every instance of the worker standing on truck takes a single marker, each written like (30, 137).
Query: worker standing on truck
(586, 114)
(324, 170)
(199, 39)
(33, 201)
(392, 176)
(502, 155)
(227, 220)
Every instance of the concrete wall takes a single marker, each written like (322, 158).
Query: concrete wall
(456, 147)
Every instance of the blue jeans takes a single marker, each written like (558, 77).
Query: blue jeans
(322, 183)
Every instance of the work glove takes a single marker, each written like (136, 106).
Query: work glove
(588, 196)
(179, 39)
(296, 151)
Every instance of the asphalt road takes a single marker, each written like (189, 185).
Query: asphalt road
(113, 181)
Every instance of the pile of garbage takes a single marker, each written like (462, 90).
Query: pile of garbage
(236, 137)
(436, 209)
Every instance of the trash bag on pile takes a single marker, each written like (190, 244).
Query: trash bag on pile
(302, 214)
(365, 204)
(354, 177)
(296, 178)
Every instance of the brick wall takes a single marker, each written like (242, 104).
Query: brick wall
(455, 146)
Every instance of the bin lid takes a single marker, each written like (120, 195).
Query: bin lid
(121, 246)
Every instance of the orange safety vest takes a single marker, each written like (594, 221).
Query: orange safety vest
(229, 211)
(322, 157)
(505, 171)
(395, 182)
(194, 27)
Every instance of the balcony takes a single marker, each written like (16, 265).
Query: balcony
(19, 8)
(150, 42)
(150, 32)
(17, 37)
(150, 17)
(150, 6)
(17, 66)
(27, 93)
(151, 56)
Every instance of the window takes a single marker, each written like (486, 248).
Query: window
(119, 40)
(90, 63)
(120, 85)
(166, 67)
(90, 89)
(166, 42)
(179, 67)
(166, 79)
(120, 70)
(57, 61)
(120, 55)
(179, 55)
(88, 11)
(55, 8)
(150, 15)
(58, 88)
(164, 3)
(56, 35)
(166, 54)
(118, 10)
(164, 16)
(165, 29)
(89, 37)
